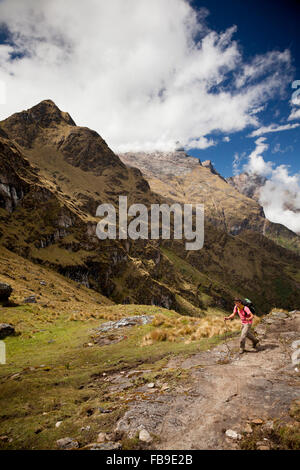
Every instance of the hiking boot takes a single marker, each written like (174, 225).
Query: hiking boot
(241, 351)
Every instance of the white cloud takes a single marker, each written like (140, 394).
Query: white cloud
(144, 74)
(273, 128)
(201, 143)
(236, 164)
(295, 114)
(277, 148)
(256, 163)
(2, 92)
(261, 63)
(237, 159)
(280, 198)
(295, 101)
(280, 195)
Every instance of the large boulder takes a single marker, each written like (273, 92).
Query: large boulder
(5, 291)
(6, 330)
(67, 443)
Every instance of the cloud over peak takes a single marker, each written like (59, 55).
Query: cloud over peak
(143, 74)
(280, 195)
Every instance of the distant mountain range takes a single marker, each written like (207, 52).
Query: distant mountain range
(231, 204)
(53, 176)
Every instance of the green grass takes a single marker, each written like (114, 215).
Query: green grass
(192, 275)
(185, 268)
(283, 288)
(60, 377)
(292, 245)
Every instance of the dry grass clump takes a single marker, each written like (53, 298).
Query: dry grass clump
(281, 310)
(162, 320)
(90, 315)
(210, 327)
(105, 313)
(189, 329)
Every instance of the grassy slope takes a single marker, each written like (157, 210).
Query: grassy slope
(53, 375)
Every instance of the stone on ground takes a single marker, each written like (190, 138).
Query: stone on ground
(233, 434)
(101, 437)
(144, 436)
(67, 443)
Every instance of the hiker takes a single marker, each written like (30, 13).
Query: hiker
(246, 317)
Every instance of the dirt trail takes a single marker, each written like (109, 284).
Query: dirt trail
(223, 393)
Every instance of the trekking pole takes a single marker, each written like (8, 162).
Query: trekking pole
(229, 350)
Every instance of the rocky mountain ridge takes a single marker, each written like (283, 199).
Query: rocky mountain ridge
(231, 206)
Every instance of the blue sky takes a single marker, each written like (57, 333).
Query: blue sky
(262, 26)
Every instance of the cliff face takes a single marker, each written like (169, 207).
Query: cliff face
(249, 185)
(161, 164)
(55, 174)
(12, 187)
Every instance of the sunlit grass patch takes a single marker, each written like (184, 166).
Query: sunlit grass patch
(188, 329)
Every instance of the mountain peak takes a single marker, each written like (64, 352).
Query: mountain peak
(47, 112)
(26, 125)
(208, 164)
(45, 125)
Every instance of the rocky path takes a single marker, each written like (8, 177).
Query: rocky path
(225, 392)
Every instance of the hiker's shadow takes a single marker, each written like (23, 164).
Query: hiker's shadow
(8, 303)
(264, 347)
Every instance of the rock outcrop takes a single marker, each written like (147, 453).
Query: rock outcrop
(208, 164)
(6, 330)
(249, 185)
(161, 164)
(5, 291)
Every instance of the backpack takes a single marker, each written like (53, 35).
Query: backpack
(249, 304)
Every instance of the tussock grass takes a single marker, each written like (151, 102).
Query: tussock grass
(188, 328)
(275, 309)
